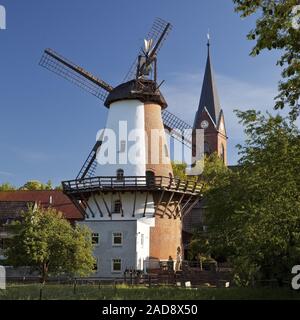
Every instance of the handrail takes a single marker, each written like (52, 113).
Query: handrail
(139, 182)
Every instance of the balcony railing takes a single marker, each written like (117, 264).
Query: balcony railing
(132, 182)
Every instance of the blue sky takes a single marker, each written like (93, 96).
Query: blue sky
(48, 126)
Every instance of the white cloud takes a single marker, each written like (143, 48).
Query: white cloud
(5, 173)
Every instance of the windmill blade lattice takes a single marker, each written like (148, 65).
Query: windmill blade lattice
(75, 74)
(157, 29)
(178, 129)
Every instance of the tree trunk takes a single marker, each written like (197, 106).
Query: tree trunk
(44, 273)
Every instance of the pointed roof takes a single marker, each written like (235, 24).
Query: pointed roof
(209, 96)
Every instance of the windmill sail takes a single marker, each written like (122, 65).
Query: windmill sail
(178, 129)
(75, 74)
(158, 34)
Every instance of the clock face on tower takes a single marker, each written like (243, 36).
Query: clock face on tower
(204, 124)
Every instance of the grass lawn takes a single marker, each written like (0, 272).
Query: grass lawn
(121, 292)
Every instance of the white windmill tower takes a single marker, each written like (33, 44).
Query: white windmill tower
(133, 204)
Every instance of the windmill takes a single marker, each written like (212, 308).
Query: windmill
(139, 204)
(53, 61)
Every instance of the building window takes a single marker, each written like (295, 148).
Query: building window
(122, 146)
(120, 175)
(117, 239)
(95, 238)
(117, 206)
(116, 265)
(150, 177)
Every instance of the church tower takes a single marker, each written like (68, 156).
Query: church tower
(210, 115)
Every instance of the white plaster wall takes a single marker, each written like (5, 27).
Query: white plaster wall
(143, 250)
(105, 251)
(132, 113)
(132, 253)
(127, 199)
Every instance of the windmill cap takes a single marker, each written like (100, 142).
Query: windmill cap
(129, 91)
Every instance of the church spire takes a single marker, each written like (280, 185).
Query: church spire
(209, 98)
(208, 41)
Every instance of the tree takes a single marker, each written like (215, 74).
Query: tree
(214, 168)
(7, 187)
(37, 185)
(45, 240)
(214, 171)
(278, 27)
(59, 188)
(213, 164)
(179, 170)
(254, 212)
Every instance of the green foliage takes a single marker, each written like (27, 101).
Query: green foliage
(179, 170)
(122, 292)
(37, 185)
(274, 30)
(59, 188)
(213, 165)
(30, 185)
(7, 187)
(254, 212)
(199, 247)
(245, 271)
(214, 171)
(214, 168)
(45, 240)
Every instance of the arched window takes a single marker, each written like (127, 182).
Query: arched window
(120, 175)
(117, 206)
(150, 177)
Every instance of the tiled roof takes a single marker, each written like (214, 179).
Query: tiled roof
(59, 201)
